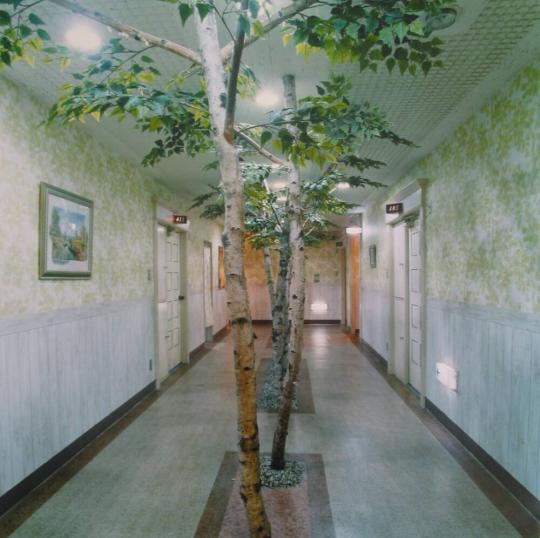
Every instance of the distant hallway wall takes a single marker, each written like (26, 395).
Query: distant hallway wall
(63, 371)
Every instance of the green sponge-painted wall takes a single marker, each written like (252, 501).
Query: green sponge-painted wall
(483, 206)
(66, 156)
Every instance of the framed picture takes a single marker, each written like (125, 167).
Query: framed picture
(65, 234)
(373, 256)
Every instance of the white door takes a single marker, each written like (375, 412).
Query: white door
(173, 298)
(401, 360)
(208, 305)
(415, 301)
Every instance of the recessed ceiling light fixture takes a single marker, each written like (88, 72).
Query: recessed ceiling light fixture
(266, 98)
(84, 38)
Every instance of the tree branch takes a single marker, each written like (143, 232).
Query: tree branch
(259, 149)
(233, 80)
(281, 16)
(139, 35)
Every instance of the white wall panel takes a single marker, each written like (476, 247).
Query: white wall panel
(62, 372)
(375, 307)
(497, 355)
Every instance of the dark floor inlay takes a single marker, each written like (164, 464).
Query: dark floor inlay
(304, 394)
(216, 520)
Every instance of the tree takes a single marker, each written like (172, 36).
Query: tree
(122, 80)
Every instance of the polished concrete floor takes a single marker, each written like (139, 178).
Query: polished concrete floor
(387, 475)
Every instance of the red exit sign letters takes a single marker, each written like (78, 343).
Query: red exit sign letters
(394, 208)
(180, 219)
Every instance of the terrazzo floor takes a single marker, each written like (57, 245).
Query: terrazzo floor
(387, 475)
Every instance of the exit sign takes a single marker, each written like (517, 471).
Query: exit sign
(394, 208)
(180, 219)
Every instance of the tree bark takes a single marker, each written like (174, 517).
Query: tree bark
(267, 257)
(296, 299)
(237, 297)
(280, 313)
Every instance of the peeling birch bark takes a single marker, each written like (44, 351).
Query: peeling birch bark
(296, 298)
(237, 297)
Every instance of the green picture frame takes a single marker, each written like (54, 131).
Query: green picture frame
(65, 234)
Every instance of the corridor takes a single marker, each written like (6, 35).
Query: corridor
(387, 475)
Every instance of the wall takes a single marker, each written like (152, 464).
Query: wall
(324, 260)
(73, 351)
(483, 275)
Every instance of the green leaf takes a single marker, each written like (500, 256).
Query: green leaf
(185, 11)
(147, 59)
(258, 28)
(43, 34)
(253, 8)
(203, 9)
(34, 19)
(244, 23)
(5, 18)
(265, 137)
(25, 31)
(5, 58)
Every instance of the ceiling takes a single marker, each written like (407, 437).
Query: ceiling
(490, 42)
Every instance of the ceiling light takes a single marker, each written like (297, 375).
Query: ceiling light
(353, 230)
(319, 306)
(342, 185)
(84, 38)
(266, 98)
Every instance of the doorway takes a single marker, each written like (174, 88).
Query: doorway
(406, 322)
(208, 292)
(169, 295)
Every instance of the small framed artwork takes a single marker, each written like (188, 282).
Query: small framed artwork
(373, 256)
(65, 234)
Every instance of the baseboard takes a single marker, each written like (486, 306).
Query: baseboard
(306, 321)
(23, 488)
(221, 333)
(496, 469)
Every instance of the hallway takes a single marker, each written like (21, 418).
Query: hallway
(387, 475)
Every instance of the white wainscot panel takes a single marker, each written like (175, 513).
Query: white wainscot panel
(375, 306)
(63, 372)
(497, 403)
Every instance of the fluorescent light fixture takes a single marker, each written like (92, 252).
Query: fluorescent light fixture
(319, 306)
(84, 38)
(447, 375)
(342, 185)
(267, 98)
(353, 230)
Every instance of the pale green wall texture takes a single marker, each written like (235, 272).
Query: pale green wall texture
(483, 217)
(66, 156)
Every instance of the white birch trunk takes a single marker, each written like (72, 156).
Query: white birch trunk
(296, 298)
(237, 298)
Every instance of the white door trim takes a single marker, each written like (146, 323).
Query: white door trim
(184, 278)
(414, 200)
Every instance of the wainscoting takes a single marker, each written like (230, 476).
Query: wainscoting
(62, 372)
(497, 355)
(196, 334)
(374, 319)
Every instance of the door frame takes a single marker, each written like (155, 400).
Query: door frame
(182, 231)
(208, 335)
(414, 202)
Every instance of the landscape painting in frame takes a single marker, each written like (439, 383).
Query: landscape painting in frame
(65, 249)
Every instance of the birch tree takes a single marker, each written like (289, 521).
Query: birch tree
(123, 81)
